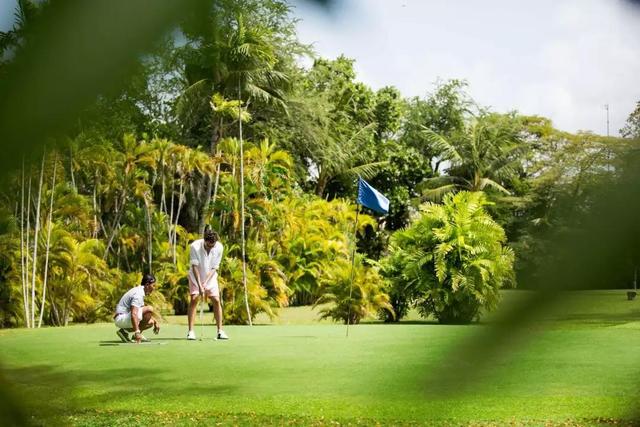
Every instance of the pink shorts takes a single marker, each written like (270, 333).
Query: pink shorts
(211, 290)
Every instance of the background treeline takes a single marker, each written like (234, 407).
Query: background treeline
(144, 169)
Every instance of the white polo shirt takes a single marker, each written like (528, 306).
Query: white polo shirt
(205, 262)
(134, 297)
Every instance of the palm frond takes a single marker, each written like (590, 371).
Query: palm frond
(360, 135)
(189, 98)
(436, 194)
(484, 182)
(367, 171)
(448, 150)
(508, 157)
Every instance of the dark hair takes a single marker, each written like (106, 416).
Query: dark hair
(146, 279)
(209, 235)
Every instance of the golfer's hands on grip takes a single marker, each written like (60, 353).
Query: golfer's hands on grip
(138, 336)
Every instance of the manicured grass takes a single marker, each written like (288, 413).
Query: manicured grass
(583, 369)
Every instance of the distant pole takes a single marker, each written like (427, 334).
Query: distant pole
(609, 167)
(353, 263)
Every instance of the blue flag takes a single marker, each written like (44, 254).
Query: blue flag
(372, 198)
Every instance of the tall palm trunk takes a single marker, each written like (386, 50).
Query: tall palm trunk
(206, 204)
(73, 180)
(67, 299)
(217, 182)
(55, 318)
(147, 210)
(115, 226)
(35, 247)
(175, 228)
(244, 262)
(213, 151)
(46, 257)
(323, 180)
(94, 234)
(163, 199)
(23, 252)
(27, 253)
(170, 226)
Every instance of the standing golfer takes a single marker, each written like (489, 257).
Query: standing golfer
(131, 313)
(204, 256)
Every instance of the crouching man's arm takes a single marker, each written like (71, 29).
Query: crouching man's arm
(135, 323)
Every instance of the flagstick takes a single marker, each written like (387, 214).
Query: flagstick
(353, 262)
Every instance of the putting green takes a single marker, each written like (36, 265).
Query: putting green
(573, 371)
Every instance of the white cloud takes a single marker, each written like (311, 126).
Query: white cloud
(563, 59)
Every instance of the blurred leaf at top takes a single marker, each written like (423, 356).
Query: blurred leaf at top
(60, 55)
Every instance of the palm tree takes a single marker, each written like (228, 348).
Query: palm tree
(269, 168)
(238, 61)
(223, 110)
(84, 268)
(344, 158)
(229, 202)
(486, 155)
(130, 163)
(47, 247)
(92, 171)
(307, 236)
(76, 271)
(161, 150)
(12, 303)
(252, 61)
(352, 298)
(26, 13)
(188, 164)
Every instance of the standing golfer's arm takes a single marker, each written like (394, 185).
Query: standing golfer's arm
(217, 256)
(196, 274)
(206, 280)
(194, 260)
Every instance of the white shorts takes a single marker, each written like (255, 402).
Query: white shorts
(123, 320)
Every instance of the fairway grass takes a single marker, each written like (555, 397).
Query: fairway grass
(582, 369)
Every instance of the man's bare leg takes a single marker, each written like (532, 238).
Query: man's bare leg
(191, 315)
(217, 311)
(148, 319)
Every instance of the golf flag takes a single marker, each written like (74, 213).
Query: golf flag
(372, 198)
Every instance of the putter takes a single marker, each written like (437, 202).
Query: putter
(201, 322)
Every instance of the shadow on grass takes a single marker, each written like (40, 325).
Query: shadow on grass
(121, 418)
(120, 343)
(12, 408)
(605, 319)
(401, 322)
(51, 393)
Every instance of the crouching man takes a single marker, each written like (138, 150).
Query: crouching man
(132, 315)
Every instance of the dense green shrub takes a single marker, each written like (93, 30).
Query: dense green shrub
(453, 260)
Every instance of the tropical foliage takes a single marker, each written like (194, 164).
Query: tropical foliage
(353, 292)
(453, 260)
(219, 123)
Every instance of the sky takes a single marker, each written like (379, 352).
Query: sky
(7, 7)
(562, 59)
